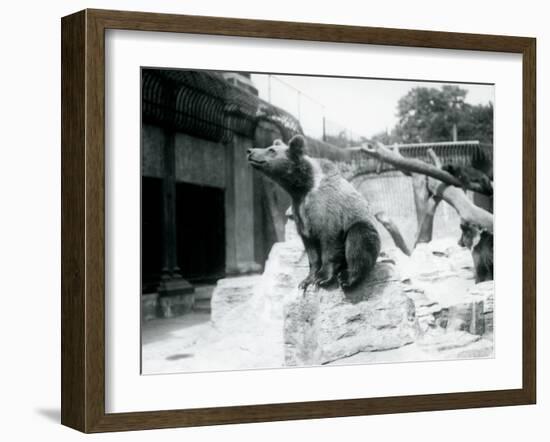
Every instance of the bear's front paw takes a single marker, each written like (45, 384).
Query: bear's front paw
(325, 282)
(306, 282)
(343, 279)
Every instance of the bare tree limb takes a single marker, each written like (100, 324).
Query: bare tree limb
(421, 196)
(426, 224)
(440, 184)
(426, 203)
(382, 153)
(467, 210)
(435, 159)
(394, 232)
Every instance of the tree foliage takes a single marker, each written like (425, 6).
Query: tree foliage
(428, 114)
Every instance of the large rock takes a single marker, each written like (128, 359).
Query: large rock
(243, 333)
(427, 309)
(321, 326)
(231, 293)
(286, 266)
(481, 300)
(430, 310)
(437, 260)
(441, 281)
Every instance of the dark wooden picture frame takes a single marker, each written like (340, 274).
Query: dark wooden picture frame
(83, 220)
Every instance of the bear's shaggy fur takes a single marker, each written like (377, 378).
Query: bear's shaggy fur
(480, 243)
(332, 218)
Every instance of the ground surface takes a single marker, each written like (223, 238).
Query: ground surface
(250, 334)
(191, 343)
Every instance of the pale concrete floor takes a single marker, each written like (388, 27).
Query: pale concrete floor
(190, 343)
(161, 329)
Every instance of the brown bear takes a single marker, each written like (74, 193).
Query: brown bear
(332, 217)
(480, 243)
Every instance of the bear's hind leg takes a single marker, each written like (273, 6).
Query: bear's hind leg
(362, 246)
(314, 259)
(332, 256)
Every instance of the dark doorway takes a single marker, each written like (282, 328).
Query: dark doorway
(151, 233)
(200, 227)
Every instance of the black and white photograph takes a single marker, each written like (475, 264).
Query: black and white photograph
(260, 221)
(308, 220)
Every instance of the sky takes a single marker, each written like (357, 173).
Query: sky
(364, 106)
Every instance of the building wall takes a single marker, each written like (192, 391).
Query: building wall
(223, 166)
(240, 200)
(152, 151)
(200, 161)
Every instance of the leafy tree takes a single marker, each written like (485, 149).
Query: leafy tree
(429, 114)
(477, 123)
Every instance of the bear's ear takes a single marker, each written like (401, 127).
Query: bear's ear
(296, 146)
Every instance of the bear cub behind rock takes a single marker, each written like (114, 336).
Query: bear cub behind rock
(332, 217)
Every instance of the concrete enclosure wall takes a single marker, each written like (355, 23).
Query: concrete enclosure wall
(392, 192)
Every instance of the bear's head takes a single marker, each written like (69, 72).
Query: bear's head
(287, 165)
(471, 235)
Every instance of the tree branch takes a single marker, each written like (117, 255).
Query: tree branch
(439, 188)
(382, 153)
(394, 232)
(467, 210)
(435, 159)
(426, 203)
(426, 224)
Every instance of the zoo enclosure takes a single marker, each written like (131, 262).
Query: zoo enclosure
(196, 129)
(391, 191)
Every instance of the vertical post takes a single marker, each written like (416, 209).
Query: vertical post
(239, 206)
(230, 215)
(170, 267)
(176, 295)
(455, 132)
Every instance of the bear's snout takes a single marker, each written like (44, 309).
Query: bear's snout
(250, 154)
(255, 157)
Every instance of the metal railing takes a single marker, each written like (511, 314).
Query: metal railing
(205, 105)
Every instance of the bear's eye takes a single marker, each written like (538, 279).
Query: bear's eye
(271, 150)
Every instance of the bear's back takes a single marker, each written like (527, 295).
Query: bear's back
(333, 203)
